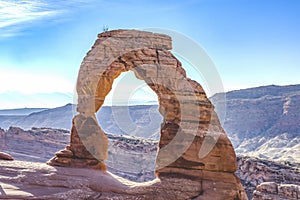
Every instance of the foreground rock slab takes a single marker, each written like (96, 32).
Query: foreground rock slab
(28, 180)
(126, 162)
(5, 156)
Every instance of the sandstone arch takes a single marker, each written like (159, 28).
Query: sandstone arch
(189, 123)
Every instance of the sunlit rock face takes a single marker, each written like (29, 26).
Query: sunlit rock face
(192, 145)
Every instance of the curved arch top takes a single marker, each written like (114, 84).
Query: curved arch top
(108, 47)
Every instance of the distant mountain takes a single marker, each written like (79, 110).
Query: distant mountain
(9, 100)
(57, 118)
(60, 117)
(264, 121)
(262, 91)
(140, 120)
(20, 111)
(9, 120)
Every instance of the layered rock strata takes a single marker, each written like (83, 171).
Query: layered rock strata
(274, 191)
(192, 144)
(253, 172)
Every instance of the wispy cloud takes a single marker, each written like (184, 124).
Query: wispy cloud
(17, 15)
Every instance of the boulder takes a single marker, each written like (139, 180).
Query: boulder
(5, 156)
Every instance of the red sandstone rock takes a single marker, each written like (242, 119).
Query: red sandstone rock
(272, 190)
(5, 156)
(192, 144)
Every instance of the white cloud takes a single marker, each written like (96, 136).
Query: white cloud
(14, 14)
(17, 15)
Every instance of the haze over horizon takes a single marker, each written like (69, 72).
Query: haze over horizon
(143, 96)
(42, 43)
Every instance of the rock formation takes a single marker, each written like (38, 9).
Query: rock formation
(29, 180)
(264, 122)
(253, 172)
(192, 144)
(274, 191)
(129, 157)
(5, 156)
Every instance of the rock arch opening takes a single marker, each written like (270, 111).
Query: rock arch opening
(192, 144)
(131, 108)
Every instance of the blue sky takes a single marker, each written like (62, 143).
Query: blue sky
(42, 42)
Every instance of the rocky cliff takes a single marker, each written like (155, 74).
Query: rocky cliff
(254, 171)
(274, 191)
(264, 122)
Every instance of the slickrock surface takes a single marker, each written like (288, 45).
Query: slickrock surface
(193, 145)
(26, 180)
(134, 158)
(274, 191)
(36, 144)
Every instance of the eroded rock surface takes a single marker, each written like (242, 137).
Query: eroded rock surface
(26, 180)
(134, 158)
(264, 122)
(192, 146)
(5, 156)
(253, 172)
(274, 191)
